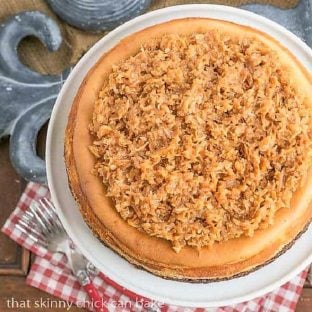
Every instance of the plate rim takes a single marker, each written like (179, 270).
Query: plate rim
(83, 62)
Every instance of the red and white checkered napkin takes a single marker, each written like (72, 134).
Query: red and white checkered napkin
(50, 273)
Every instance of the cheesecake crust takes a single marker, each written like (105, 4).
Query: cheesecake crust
(222, 260)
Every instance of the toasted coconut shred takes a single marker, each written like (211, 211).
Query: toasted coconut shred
(200, 138)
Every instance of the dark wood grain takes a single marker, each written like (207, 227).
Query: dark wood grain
(13, 258)
(305, 301)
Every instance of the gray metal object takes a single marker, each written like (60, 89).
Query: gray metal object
(43, 226)
(26, 97)
(298, 20)
(98, 15)
(23, 142)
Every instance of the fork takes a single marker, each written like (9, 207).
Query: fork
(47, 231)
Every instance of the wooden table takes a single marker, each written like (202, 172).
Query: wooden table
(15, 261)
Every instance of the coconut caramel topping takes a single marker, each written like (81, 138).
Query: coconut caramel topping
(201, 138)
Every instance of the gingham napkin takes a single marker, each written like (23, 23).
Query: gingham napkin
(50, 273)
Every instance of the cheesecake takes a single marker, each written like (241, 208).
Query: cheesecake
(188, 149)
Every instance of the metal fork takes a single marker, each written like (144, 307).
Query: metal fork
(46, 230)
(44, 225)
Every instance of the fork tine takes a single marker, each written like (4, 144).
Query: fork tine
(33, 208)
(56, 222)
(45, 219)
(50, 209)
(31, 226)
(29, 218)
(47, 203)
(29, 214)
(37, 240)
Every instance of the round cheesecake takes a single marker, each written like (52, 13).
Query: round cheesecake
(188, 149)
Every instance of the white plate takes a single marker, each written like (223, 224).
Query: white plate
(143, 283)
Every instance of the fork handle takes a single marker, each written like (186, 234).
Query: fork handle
(95, 297)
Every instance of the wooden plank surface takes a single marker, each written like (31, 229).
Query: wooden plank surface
(305, 301)
(13, 258)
